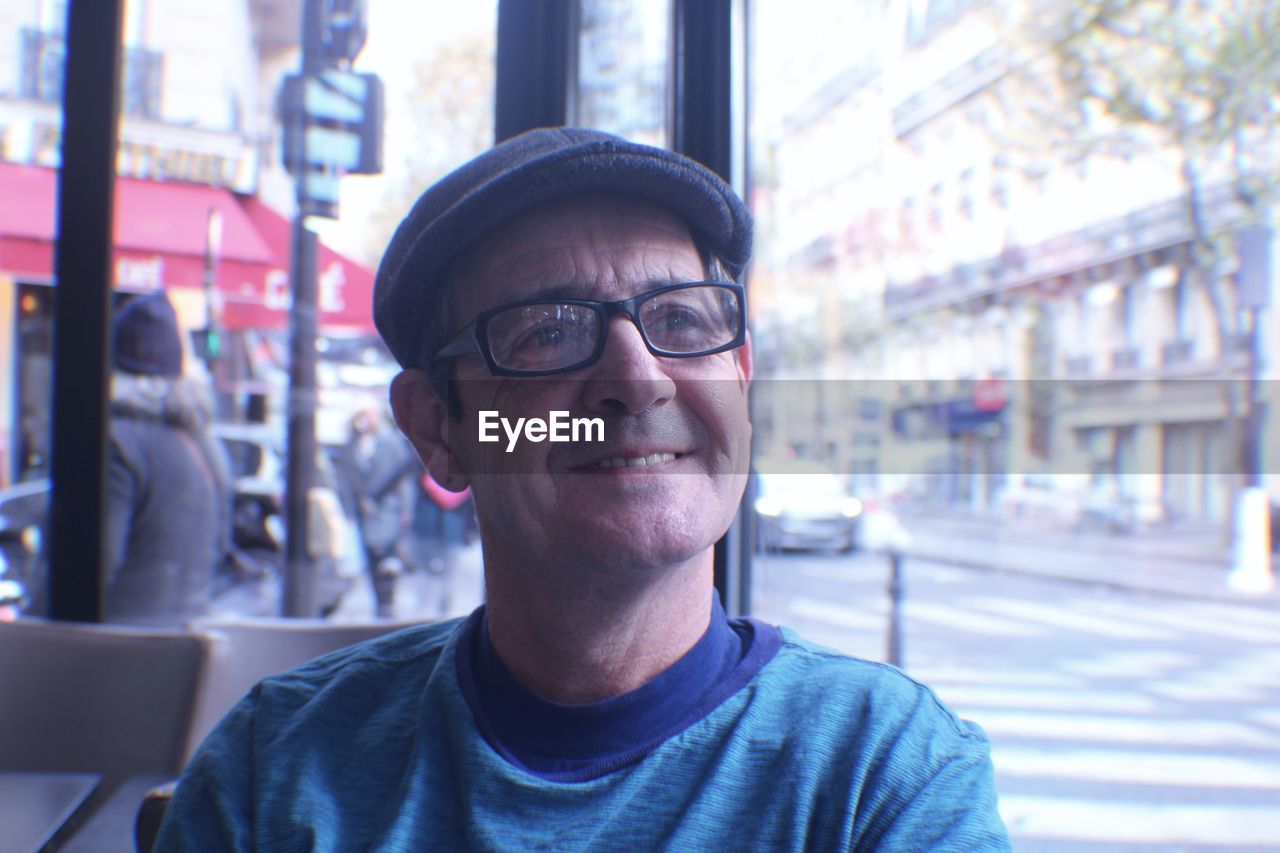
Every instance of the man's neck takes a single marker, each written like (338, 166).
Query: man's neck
(589, 640)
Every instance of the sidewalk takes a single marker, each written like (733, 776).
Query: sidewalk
(1178, 561)
(419, 594)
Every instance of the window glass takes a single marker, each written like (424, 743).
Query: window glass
(203, 212)
(1004, 291)
(623, 68)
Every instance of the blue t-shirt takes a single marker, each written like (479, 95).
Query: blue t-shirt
(414, 741)
(574, 743)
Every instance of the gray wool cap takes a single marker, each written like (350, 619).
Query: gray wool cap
(538, 166)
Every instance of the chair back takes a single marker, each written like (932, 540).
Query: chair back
(246, 650)
(106, 699)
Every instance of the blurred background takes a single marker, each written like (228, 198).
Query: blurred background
(1013, 307)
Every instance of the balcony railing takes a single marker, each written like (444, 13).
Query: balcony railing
(1125, 358)
(44, 55)
(1180, 351)
(1080, 365)
(1149, 229)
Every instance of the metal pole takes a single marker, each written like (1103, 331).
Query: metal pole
(82, 310)
(297, 590)
(297, 595)
(893, 652)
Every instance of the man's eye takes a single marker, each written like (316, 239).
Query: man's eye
(546, 335)
(677, 319)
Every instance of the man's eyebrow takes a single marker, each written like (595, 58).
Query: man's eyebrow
(577, 291)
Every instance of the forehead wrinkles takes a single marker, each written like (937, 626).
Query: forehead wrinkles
(588, 240)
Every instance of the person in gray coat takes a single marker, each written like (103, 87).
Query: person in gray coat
(166, 504)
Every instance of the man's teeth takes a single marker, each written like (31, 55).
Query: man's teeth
(636, 461)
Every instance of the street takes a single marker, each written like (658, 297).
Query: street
(1119, 719)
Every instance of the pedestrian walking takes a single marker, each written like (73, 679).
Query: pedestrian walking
(378, 470)
(165, 503)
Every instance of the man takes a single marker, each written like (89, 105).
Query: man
(600, 699)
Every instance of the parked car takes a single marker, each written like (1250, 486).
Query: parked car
(798, 507)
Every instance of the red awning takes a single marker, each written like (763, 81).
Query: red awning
(345, 288)
(160, 233)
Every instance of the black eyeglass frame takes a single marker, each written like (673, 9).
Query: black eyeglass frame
(474, 337)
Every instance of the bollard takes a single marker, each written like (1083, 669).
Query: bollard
(893, 653)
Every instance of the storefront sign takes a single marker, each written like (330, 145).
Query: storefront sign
(330, 293)
(333, 281)
(37, 143)
(140, 273)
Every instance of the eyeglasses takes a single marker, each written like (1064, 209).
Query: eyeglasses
(540, 337)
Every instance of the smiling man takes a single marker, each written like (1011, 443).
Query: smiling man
(600, 699)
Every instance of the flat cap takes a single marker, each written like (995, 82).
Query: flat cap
(538, 166)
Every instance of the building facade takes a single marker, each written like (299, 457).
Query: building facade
(202, 204)
(1030, 322)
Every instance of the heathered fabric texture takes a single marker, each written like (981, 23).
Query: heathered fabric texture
(375, 748)
(538, 166)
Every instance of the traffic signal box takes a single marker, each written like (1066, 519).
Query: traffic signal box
(332, 116)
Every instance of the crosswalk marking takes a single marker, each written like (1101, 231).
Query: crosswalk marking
(837, 614)
(1199, 621)
(937, 676)
(955, 616)
(1133, 664)
(1100, 728)
(1266, 716)
(1240, 615)
(1182, 769)
(1088, 701)
(1139, 822)
(1196, 690)
(1061, 617)
(1258, 666)
(1155, 726)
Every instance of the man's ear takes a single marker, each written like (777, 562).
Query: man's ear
(424, 419)
(746, 360)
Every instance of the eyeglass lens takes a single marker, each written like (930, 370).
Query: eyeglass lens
(553, 335)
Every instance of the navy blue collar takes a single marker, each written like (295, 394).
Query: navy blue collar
(570, 743)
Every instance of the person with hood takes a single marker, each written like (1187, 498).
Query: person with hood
(167, 516)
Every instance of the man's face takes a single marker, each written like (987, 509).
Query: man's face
(590, 501)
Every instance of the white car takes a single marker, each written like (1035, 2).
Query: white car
(812, 510)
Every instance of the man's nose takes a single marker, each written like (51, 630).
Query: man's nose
(628, 378)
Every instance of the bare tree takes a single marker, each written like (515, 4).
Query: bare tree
(1197, 81)
(447, 117)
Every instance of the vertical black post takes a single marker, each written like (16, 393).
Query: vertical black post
(537, 43)
(1255, 404)
(1253, 246)
(296, 599)
(708, 60)
(297, 588)
(893, 652)
(82, 313)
